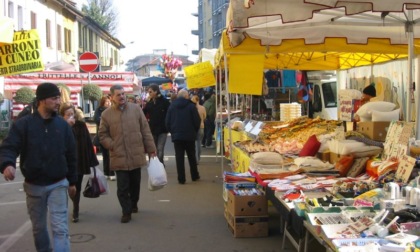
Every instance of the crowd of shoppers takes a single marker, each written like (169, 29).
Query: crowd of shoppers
(126, 132)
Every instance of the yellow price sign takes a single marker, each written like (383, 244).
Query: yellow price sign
(200, 75)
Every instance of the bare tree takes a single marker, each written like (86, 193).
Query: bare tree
(103, 12)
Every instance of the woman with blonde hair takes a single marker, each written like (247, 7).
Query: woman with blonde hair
(86, 156)
(200, 134)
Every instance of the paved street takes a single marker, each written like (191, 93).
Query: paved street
(179, 218)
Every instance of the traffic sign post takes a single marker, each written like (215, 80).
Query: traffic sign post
(88, 62)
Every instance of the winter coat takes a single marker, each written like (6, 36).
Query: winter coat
(46, 147)
(126, 134)
(155, 111)
(202, 113)
(97, 116)
(86, 156)
(210, 106)
(183, 120)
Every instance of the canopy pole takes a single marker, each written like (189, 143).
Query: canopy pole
(222, 146)
(228, 109)
(409, 30)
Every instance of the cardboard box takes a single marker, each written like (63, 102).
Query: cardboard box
(334, 157)
(246, 205)
(324, 156)
(374, 130)
(248, 226)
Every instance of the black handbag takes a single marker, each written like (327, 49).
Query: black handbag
(92, 189)
(96, 141)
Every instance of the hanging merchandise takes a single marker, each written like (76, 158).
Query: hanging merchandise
(273, 78)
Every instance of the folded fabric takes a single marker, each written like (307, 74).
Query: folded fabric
(267, 158)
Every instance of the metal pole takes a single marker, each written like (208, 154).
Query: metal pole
(409, 30)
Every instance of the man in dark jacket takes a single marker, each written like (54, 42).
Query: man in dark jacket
(183, 122)
(155, 111)
(47, 150)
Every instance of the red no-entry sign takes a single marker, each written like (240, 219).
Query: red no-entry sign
(88, 62)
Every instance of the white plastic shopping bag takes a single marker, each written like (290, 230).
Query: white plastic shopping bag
(103, 183)
(157, 175)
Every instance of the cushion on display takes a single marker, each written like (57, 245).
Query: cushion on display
(344, 164)
(367, 151)
(311, 147)
(344, 147)
(365, 111)
(379, 116)
(267, 158)
(359, 165)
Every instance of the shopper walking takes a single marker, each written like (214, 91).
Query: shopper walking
(183, 122)
(209, 123)
(124, 131)
(86, 156)
(103, 104)
(155, 111)
(46, 146)
(200, 134)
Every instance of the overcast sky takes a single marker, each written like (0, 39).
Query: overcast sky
(156, 24)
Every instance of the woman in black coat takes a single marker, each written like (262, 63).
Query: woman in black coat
(103, 104)
(86, 156)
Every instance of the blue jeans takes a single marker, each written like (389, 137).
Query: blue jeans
(200, 135)
(160, 141)
(52, 199)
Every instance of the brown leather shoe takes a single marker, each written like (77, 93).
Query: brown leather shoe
(135, 210)
(126, 218)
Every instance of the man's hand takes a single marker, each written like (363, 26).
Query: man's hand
(9, 173)
(72, 191)
(152, 155)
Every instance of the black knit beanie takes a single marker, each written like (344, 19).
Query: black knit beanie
(46, 90)
(370, 90)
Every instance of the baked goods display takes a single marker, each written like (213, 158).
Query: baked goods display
(288, 137)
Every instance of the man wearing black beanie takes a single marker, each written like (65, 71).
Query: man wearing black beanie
(47, 149)
(368, 93)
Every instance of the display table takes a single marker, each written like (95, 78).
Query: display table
(312, 235)
(241, 160)
(234, 136)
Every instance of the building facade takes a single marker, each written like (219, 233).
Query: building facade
(211, 22)
(65, 33)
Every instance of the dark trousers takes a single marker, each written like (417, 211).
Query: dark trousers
(128, 189)
(105, 162)
(180, 148)
(209, 127)
(76, 198)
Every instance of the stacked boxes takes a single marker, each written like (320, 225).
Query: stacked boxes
(246, 213)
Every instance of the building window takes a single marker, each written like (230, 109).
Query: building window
(81, 35)
(67, 40)
(59, 38)
(33, 20)
(20, 17)
(48, 32)
(11, 10)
